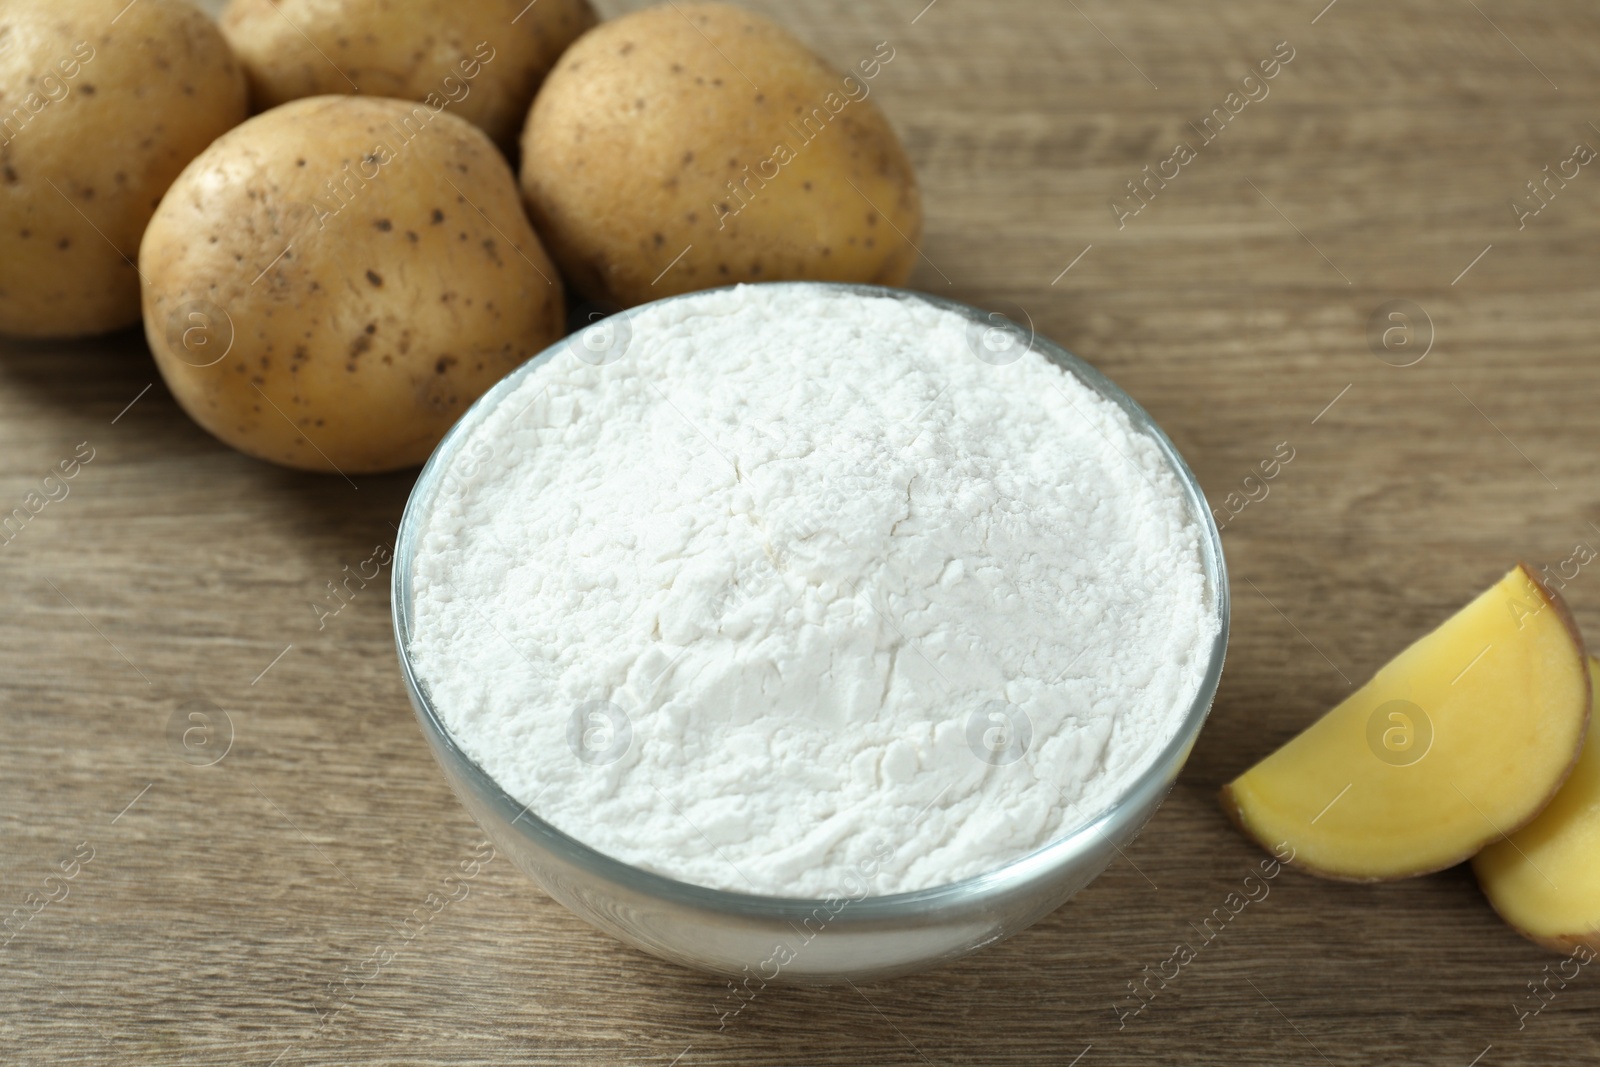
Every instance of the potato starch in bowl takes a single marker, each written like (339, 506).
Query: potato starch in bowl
(787, 589)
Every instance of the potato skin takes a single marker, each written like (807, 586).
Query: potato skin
(331, 284)
(97, 117)
(647, 139)
(469, 52)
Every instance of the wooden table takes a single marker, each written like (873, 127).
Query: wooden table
(222, 903)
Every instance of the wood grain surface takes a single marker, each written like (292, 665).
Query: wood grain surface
(226, 906)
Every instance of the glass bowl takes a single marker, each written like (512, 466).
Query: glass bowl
(761, 940)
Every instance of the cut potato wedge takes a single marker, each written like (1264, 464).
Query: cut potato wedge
(1544, 879)
(1456, 742)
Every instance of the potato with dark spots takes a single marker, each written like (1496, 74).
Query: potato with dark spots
(90, 137)
(483, 59)
(751, 159)
(380, 359)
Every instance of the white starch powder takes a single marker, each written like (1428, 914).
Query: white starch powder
(790, 586)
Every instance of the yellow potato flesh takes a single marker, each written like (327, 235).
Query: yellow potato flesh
(1459, 740)
(1545, 879)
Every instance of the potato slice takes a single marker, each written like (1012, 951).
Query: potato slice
(1545, 879)
(1456, 742)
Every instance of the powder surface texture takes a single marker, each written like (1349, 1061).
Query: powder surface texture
(790, 589)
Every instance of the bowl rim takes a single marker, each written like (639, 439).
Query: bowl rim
(1018, 875)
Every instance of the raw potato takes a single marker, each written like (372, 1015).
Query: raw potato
(98, 114)
(1545, 879)
(329, 285)
(702, 131)
(1457, 741)
(485, 57)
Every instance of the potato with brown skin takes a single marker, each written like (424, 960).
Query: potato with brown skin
(331, 284)
(101, 105)
(704, 127)
(485, 57)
